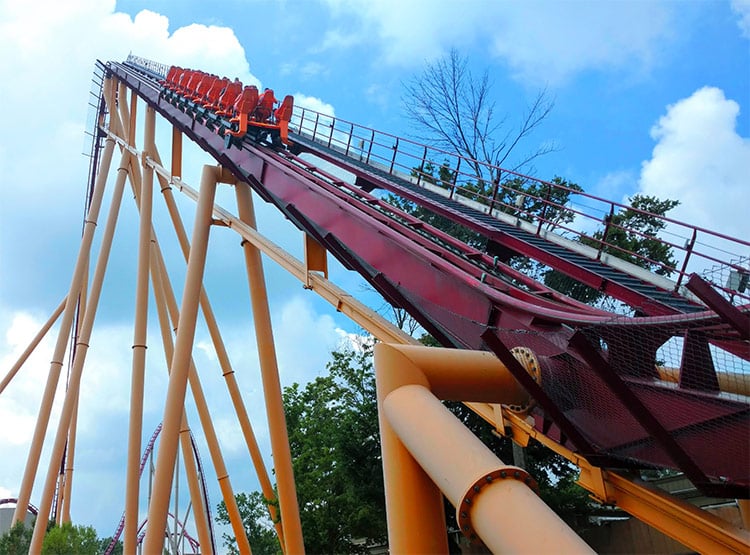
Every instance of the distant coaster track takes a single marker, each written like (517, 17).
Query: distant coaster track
(600, 389)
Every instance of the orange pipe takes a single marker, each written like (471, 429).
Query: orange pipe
(32, 462)
(33, 345)
(140, 339)
(70, 402)
(158, 277)
(288, 504)
(493, 500)
(226, 367)
(180, 368)
(425, 448)
(414, 504)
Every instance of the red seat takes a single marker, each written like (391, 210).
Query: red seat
(170, 77)
(212, 96)
(192, 83)
(203, 87)
(264, 109)
(244, 105)
(283, 114)
(227, 98)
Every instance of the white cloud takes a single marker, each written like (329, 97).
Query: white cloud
(336, 39)
(302, 361)
(552, 41)
(544, 41)
(742, 9)
(50, 51)
(701, 160)
(313, 103)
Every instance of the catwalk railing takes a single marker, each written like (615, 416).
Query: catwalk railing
(527, 201)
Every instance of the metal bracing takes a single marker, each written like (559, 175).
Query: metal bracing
(223, 357)
(32, 462)
(33, 344)
(180, 366)
(293, 542)
(694, 527)
(421, 438)
(421, 462)
(707, 530)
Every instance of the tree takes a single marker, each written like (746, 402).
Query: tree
(253, 509)
(58, 540)
(17, 540)
(335, 446)
(453, 109)
(67, 538)
(104, 544)
(630, 234)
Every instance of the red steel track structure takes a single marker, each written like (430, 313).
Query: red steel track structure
(599, 391)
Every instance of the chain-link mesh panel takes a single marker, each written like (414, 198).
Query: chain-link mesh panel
(731, 280)
(668, 392)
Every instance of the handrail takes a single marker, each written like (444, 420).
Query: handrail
(695, 248)
(481, 187)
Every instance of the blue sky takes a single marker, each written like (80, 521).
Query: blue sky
(649, 97)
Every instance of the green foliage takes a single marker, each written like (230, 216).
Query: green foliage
(16, 541)
(634, 229)
(335, 445)
(631, 230)
(255, 519)
(67, 539)
(104, 544)
(64, 540)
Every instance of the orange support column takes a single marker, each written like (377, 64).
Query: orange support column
(226, 367)
(138, 371)
(176, 152)
(414, 504)
(32, 462)
(425, 448)
(271, 385)
(71, 397)
(494, 501)
(180, 368)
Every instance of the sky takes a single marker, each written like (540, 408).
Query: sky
(649, 97)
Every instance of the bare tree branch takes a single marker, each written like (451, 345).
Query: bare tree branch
(453, 110)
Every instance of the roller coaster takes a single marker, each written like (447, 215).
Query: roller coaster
(661, 383)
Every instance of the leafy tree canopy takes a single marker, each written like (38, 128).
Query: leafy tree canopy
(66, 539)
(335, 445)
(630, 234)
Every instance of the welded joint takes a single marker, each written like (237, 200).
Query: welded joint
(595, 481)
(223, 175)
(463, 511)
(530, 363)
